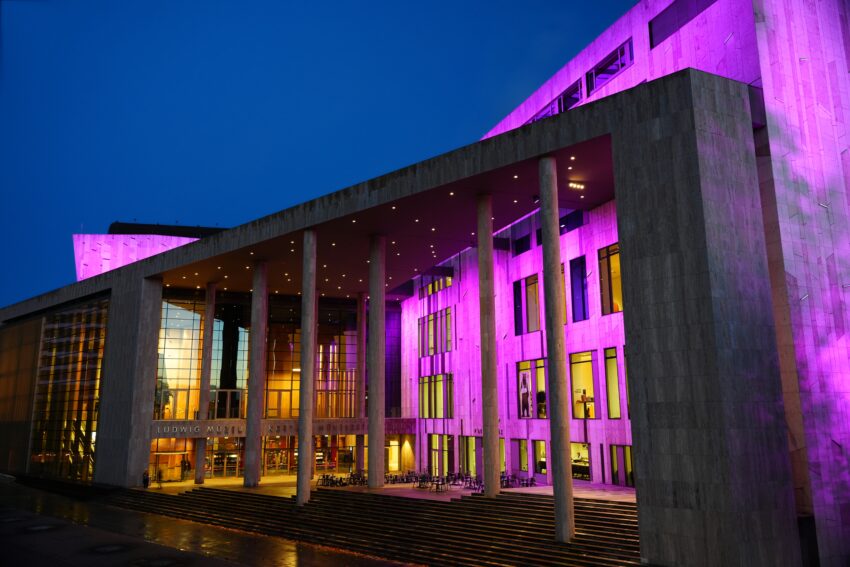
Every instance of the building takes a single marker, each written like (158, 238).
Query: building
(674, 196)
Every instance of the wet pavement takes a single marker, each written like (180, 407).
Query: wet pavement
(38, 528)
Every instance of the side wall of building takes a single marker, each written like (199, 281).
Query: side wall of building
(804, 168)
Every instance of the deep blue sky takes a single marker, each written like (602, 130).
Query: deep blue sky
(215, 113)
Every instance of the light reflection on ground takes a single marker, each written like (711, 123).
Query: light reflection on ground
(232, 545)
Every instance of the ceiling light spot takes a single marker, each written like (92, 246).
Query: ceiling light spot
(516, 176)
(574, 185)
(572, 158)
(451, 193)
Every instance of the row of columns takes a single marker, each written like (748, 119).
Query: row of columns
(371, 360)
(559, 423)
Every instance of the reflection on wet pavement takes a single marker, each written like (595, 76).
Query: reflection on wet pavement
(231, 545)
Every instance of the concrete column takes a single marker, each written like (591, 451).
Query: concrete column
(128, 380)
(376, 358)
(256, 376)
(711, 464)
(360, 392)
(206, 368)
(487, 321)
(559, 399)
(306, 461)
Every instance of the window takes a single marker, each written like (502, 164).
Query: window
(578, 289)
(673, 17)
(571, 221)
(435, 332)
(436, 396)
(435, 286)
(612, 383)
(526, 294)
(539, 457)
(622, 472)
(610, 279)
(521, 244)
(523, 455)
(610, 67)
(581, 372)
(531, 389)
(580, 454)
(562, 103)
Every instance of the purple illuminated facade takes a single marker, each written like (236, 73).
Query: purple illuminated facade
(702, 157)
(95, 254)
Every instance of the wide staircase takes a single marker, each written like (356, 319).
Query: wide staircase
(512, 529)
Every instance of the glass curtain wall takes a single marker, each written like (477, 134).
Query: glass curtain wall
(179, 369)
(68, 391)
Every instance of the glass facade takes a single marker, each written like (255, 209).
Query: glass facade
(67, 392)
(19, 353)
(178, 377)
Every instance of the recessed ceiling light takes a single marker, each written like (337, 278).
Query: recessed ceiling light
(219, 267)
(574, 185)
(398, 253)
(168, 285)
(333, 243)
(415, 220)
(572, 158)
(393, 207)
(225, 277)
(515, 201)
(324, 265)
(433, 229)
(352, 220)
(251, 253)
(184, 277)
(516, 176)
(569, 167)
(247, 267)
(451, 193)
(197, 287)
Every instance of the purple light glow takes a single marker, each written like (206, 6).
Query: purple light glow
(594, 334)
(721, 40)
(95, 254)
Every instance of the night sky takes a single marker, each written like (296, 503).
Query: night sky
(215, 113)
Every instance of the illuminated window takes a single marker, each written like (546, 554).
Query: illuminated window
(612, 383)
(523, 455)
(610, 67)
(622, 472)
(610, 279)
(581, 373)
(436, 396)
(526, 305)
(673, 17)
(580, 455)
(435, 286)
(178, 378)
(539, 457)
(435, 333)
(531, 389)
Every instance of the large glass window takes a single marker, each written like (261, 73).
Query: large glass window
(581, 372)
(68, 392)
(531, 389)
(523, 455)
(230, 353)
(436, 396)
(435, 332)
(612, 383)
(622, 471)
(564, 101)
(578, 289)
(610, 279)
(179, 369)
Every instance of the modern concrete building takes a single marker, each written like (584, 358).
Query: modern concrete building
(676, 196)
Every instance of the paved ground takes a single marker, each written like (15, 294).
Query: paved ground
(39, 529)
